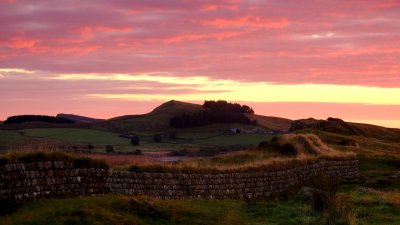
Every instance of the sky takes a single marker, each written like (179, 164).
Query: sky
(294, 59)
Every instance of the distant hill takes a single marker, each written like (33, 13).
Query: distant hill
(339, 126)
(160, 117)
(156, 119)
(273, 123)
(78, 119)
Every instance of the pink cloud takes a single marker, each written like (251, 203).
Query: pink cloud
(326, 42)
(250, 21)
(19, 42)
(88, 32)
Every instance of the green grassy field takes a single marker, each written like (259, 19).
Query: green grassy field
(9, 139)
(78, 136)
(368, 208)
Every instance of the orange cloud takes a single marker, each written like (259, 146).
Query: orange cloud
(251, 21)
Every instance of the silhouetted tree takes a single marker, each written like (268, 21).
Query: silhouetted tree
(36, 118)
(207, 117)
(222, 105)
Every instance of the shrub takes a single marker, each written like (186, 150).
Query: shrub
(339, 212)
(263, 144)
(287, 149)
(109, 148)
(137, 152)
(90, 146)
(78, 162)
(183, 152)
(323, 192)
(89, 163)
(173, 135)
(135, 169)
(157, 138)
(135, 140)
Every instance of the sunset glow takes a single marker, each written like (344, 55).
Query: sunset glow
(293, 59)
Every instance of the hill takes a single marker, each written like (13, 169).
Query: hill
(160, 117)
(338, 126)
(273, 123)
(155, 120)
(77, 118)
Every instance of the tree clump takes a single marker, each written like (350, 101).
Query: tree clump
(36, 118)
(215, 112)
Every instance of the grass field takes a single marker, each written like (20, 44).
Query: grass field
(77, 135)
(379, 160)
(99, 139)
(9, 139)
(368, 208)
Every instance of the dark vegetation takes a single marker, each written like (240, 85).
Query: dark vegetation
(157, 138)
(222, 105)
(216, 112)
(135, 140)
(109, 148)
(208, 117)
(78, 162)
(37, 118)
(324, 199)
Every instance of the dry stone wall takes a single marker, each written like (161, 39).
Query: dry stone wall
(29, 181)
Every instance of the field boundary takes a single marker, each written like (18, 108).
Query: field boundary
(29, 181)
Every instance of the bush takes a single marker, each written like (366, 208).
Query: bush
(137, 152)
(288, 149)
(157, 138)
(183, 152)
(78, 162)
(90, 146)
(135, 140)
(323, 192)
(135, 169)
(263, 144)
(89, 163)
(339, 212)
(109, 148)
(173, 135)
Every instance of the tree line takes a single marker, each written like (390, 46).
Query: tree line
(222, 105)
(36, 118)
(216, 112)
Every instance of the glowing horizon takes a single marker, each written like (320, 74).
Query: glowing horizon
(106, 59)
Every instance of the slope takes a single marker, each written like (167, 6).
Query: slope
(159, 118)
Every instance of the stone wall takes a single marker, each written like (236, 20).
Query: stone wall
(23, 182)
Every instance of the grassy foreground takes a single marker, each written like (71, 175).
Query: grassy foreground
(368, 209)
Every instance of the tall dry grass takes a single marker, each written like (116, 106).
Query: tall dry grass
(308, 149)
